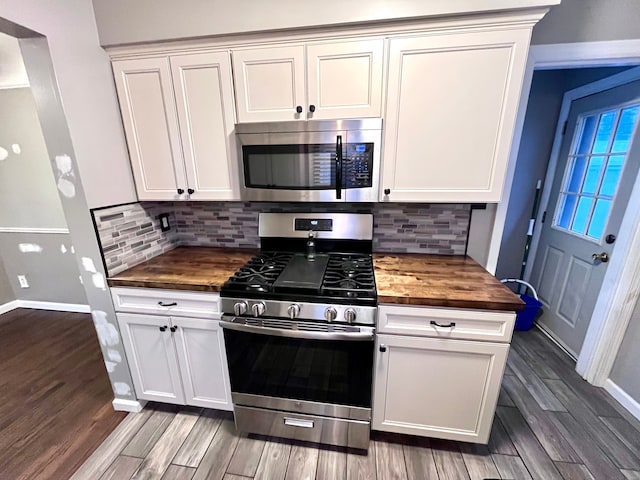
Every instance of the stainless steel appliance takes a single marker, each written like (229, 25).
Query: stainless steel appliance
(298, 324)
(320, 161)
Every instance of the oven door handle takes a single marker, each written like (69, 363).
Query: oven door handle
(351, 336)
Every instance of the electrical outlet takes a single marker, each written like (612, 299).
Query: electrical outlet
(22, 279)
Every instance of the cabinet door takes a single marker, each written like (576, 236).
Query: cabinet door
(150, 350)
(451, 109)
(204, 100)
(203, 363)
(344, 80)
(149, 117)
(437, 388)
(269, 83)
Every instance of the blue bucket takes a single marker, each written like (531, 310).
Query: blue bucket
(526, 317)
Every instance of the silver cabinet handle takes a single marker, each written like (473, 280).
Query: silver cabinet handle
(298, 422)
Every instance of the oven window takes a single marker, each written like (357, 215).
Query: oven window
(307, 166)
(326, 371)
(291, 167)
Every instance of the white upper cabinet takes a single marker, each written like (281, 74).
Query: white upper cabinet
(344, 80)
(269, 83)
(178, 118)
(450, 114)
(204, 100)
(149, 118)
(334, 80)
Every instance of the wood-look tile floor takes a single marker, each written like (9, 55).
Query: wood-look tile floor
(550, 424)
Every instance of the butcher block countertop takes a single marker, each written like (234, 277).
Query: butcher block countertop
(440, 280)
(203, 269)
(401, 278)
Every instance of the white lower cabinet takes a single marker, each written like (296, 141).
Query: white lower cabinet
(177, 360)
(437, 387)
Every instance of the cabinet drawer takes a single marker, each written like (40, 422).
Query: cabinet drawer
(465, 324)
(166, 302)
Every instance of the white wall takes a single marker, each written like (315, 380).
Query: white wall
(12, 71)
(589, 21)
(6, 291)
(86, 84)
(28, 193)
(125, 21)
(625, 369)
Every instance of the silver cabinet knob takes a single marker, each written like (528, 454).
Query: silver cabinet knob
(330, 314)
(240, 308)
(603, 257)
(293, 310)
(350, 315)
(258, 309)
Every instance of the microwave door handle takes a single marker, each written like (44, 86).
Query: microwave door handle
(339, 167)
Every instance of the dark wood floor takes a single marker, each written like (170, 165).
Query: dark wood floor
(550, 424)
(55, 397)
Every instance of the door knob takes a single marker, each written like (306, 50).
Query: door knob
(610, 238)
(603, 257)
(299, 109)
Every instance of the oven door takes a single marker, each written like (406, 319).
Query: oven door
(313, 372)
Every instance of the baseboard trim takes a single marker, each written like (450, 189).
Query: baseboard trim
(133, 406)
(7, 307)
(623, 398)
(61, 307)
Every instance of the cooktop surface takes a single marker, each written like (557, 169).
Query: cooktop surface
(339, 277)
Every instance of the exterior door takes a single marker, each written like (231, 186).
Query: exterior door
(204, 101)
(596, 171)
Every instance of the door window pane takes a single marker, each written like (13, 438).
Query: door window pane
(625, 129)
(593, 171)
(592, 179)
(577, 172)
(599, 218)
(567, 211)
(612, 175)
(581, 218)
(586, 135)
(604, 132)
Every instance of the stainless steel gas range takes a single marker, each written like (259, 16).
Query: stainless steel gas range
(298, 324)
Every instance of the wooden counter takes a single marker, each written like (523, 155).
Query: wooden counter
(402, 278)
(202, 269)
(440, 280)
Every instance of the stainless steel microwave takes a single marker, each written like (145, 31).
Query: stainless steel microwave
(314, 161)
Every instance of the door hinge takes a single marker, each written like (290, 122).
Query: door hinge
(544, 216)
(564, 127)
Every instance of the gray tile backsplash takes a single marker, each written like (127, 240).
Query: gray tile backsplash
(130, 234)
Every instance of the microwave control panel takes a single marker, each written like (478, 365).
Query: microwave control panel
(358, 165)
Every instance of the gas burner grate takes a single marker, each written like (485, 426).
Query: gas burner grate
(259, 273)
(350, 275)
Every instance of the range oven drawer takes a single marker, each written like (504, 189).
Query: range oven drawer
(310, 428)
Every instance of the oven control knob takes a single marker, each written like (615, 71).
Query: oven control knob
(240, 308)
(258, 309)
(330, 314)
(350, 315)
(293, 310)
